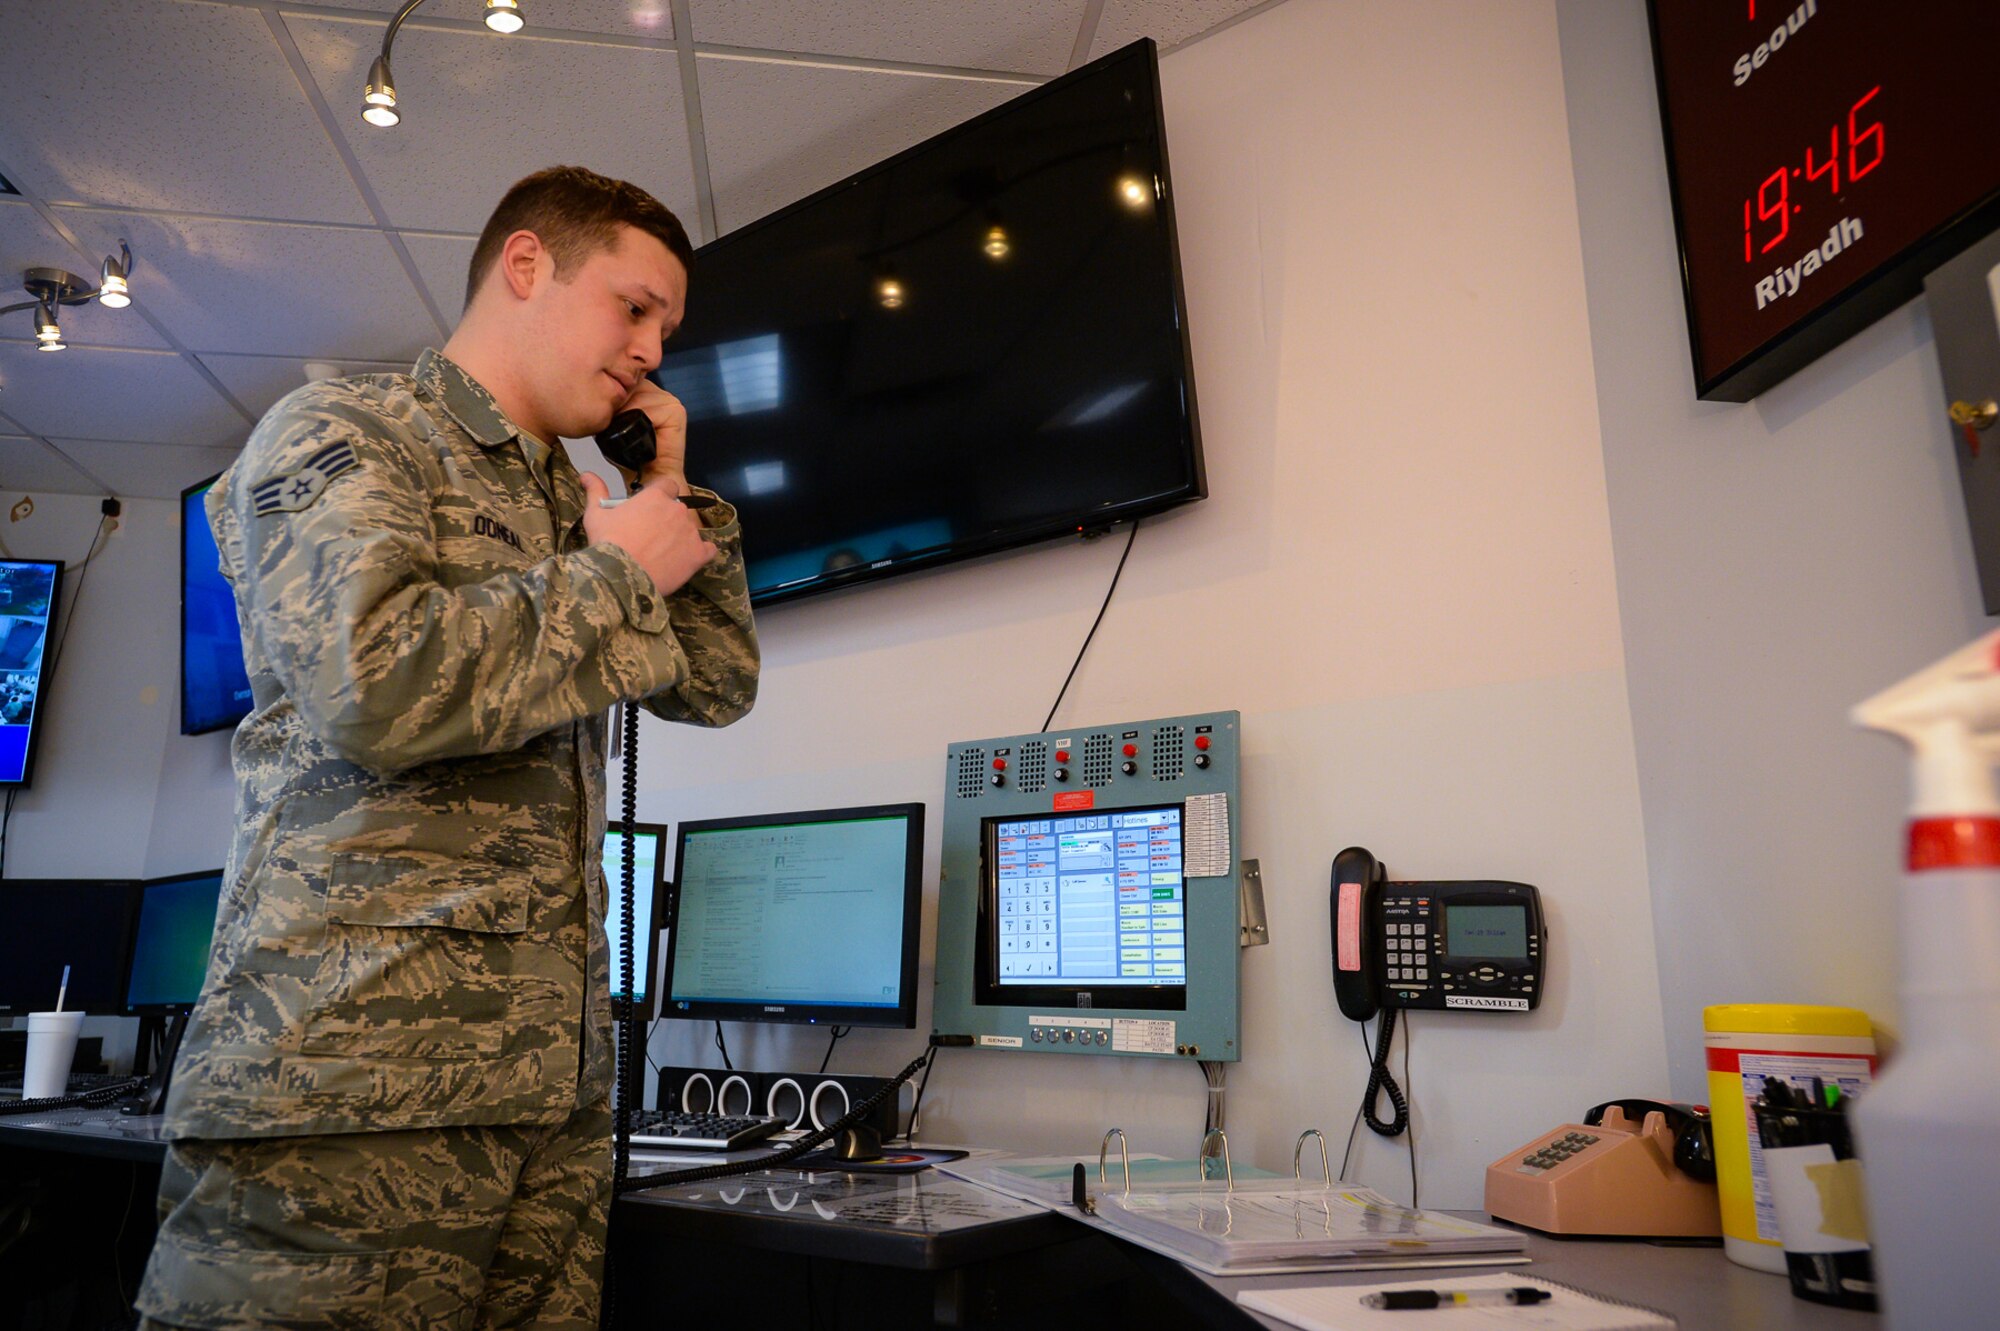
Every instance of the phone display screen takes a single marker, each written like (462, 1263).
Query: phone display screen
(1486, 931)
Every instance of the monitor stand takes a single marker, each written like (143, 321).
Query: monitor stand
(153, 1099)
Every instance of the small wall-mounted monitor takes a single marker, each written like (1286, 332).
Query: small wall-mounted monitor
(30, 591)
(171, 934)
(798, 917)
(215, 686)
(47, 924)
(649, 843)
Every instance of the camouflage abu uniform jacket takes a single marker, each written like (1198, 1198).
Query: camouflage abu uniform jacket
(412, 927)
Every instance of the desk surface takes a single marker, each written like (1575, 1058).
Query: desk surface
(103, 1132)
(1703, 1289)
(930, 1222)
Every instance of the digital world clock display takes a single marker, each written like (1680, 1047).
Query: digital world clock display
(1823, 156)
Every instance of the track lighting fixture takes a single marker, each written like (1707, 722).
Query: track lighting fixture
(503, 15)
(378, 96)
(49, 288)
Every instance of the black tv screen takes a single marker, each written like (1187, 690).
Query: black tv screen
(30, 591)
(977, 344)
(215, 687)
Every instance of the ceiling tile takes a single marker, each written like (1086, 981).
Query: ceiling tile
(272, 287)
(27, 465)
(652, 19)
(147, 471)
(187, 107)
(26, 241)
(1027, 36)
(442, 261)
(1168, 22)
(259, 381)
(480, 112)
(111, 393)
(777, 131)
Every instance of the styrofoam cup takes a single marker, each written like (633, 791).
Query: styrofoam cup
(51, 1050)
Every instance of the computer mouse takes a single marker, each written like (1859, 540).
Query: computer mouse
(857, 1142)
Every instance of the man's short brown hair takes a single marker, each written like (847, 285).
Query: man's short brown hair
(575, 213)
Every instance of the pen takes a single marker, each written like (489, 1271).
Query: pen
(1394, 1299)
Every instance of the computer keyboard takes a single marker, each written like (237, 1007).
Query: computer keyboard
(701, 1132)
(80, 1083)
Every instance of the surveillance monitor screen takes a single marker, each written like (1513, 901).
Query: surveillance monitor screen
(29, 595)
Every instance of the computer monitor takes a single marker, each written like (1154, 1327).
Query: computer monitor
(215, 685)
(172, 930)
(798, 917)
(49, 923)
(649, 842)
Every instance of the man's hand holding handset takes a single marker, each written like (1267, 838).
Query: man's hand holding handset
(653, 524)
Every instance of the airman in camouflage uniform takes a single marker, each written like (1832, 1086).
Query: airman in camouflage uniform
(390, 1108)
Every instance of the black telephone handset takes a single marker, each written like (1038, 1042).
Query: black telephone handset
(1357, 961)
(629, 442)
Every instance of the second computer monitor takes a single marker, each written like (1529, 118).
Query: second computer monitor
(649, 842)
(798, 917)
(171, 935)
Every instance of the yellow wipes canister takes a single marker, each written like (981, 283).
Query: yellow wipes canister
(1748, 1043)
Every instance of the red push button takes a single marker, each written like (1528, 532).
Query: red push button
(1201, 741)
(1062, 755)
(999, 764)
(1131, 750)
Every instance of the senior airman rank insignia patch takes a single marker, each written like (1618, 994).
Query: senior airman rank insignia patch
(294, 490)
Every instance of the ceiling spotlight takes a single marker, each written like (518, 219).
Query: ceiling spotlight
(890, 293)
(48, 335)
(378, 98)
(1133, 191)
(112, 289)
(503, 15)
(997, 245)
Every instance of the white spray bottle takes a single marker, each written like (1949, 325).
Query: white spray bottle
(1926, 1130)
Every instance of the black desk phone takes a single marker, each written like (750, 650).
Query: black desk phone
(1471, 946)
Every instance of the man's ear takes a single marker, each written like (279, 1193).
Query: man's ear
(524, 262)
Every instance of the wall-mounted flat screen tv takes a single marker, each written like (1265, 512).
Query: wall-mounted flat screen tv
(215, 688)
(977, 344)
(30, 591)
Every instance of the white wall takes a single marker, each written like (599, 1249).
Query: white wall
(1403, 580)
(111, 717)
(1777, 562)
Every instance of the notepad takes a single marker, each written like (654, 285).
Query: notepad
(1339, 1307)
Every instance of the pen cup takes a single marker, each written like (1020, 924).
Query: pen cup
(51, 1050)
(1816, 1189)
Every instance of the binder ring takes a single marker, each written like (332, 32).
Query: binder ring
(687, 1092)
(1124, 1157)
(1228, 1171)
(749, 1097)
(1325, 1169)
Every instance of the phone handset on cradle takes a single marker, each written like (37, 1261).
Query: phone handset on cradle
(1357, 961)
(629, 442)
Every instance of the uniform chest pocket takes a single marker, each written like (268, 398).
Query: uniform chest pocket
(419, 958)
